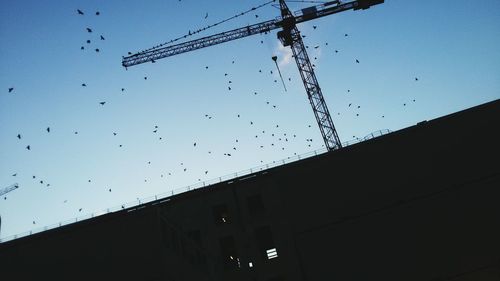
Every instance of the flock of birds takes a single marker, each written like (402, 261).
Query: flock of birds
(279, 138)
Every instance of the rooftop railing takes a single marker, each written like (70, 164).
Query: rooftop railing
(163, 197)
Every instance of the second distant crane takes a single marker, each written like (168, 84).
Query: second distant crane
(289, 35)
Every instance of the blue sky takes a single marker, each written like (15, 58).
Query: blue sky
(451, 46)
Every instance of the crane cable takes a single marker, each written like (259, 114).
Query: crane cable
(207, 27)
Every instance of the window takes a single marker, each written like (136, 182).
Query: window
(195, 236)
(272, 253)
(221, 214)
(255, 205)
(265, 242)
(229, 252)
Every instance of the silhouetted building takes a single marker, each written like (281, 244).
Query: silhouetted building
(422, 203)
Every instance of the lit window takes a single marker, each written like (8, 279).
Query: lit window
(250, 264)
(272, 253)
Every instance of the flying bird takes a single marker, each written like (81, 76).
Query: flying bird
(82, 48)
(314, 26)
(19, 136)
(357, 61)
(206, 15)
(48, 129)
(89, 30)
(416, 79)
(84, 85)
(97, 13)
(11, 89)
(102, 102)
(97, 50)
(14, 174)
(80, 12)
(102, 37)
(88, 41)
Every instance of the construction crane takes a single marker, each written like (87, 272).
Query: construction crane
(8, 189)
(4, 191)
(289, 35)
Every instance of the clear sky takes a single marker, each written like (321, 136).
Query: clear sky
(452, 47)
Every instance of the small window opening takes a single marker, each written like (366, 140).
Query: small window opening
(272, 253)
(221, 214)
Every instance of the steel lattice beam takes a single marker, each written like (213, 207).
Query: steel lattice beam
(290, 36)
(168, 51)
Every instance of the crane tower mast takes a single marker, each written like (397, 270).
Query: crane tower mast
(289, 36)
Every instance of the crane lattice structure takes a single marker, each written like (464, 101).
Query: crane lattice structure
(289, 35)
(8, 189)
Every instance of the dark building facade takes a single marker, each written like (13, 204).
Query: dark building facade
(422, 203)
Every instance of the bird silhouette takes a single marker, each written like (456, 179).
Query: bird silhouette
(194, 144)
(89, 30)
(19, 136)
(109, 190)
(84, 85)
(11, 89)
(123, 89)
(88, 41)
(345, 35)
(97, 13)
(206, 15)
(80, 12)
(416, 79)
(102, 37)
(97, 50)
(145, 78)
(79, 210)
(14, 174)
(48, 129)
(357, 61)
(102, 102)
(82, 48)
(314, 27)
